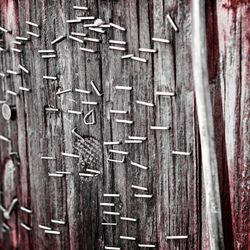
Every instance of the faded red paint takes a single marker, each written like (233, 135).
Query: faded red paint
(234, 4)
(234, 33)
(242, 229)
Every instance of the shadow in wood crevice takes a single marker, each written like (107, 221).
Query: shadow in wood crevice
(219, 123)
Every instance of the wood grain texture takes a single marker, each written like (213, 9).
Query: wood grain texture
(177, 206)
(233, 89)
(206, 126)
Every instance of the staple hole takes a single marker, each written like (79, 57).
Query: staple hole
(58, 89)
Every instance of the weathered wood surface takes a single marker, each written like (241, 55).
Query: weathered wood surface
(232, 112)
(177, 206)
(206, 125)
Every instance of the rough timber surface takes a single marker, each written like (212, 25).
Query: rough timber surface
(178, 205)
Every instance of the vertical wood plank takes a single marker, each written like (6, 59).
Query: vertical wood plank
(233, 30)
(175, 181)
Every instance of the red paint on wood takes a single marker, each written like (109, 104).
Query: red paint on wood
(234, 4)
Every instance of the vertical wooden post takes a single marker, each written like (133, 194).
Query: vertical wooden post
(206, 126)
